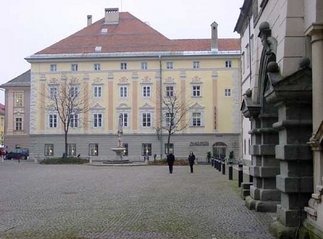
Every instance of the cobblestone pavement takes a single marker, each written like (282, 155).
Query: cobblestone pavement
(85, 202)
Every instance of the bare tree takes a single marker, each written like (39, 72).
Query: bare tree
(67, 101)
(175, 111)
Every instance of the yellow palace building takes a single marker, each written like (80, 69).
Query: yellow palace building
(122, 67)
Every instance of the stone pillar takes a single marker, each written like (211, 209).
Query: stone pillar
(264, 167)
(292, 97)
(264, 196)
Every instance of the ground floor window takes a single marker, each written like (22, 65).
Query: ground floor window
(71, 149)
(146, 149)
(49, 150)
(126, 152)
(171, 148)
(219, 150)
(93, 149)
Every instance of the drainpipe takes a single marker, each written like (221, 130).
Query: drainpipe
(161, 106)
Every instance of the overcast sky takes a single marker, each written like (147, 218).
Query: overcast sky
(28, 26)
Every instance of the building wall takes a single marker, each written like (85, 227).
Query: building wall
(220, 112)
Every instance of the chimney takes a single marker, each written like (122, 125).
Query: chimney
(89, 20)
(111, 16)
(214, 36)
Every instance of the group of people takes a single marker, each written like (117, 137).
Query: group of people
(171, 160)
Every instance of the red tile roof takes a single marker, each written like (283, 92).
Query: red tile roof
(130, 35)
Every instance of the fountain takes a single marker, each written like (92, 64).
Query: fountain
(119, 150)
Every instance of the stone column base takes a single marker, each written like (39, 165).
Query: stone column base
(280, 231)
(261, 206)
(310, 231)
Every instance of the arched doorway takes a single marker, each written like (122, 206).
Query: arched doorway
(219, 150)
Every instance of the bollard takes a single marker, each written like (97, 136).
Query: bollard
(223, 167)
(230, 171)
(212, 162)
(219, 165)
(240, 176)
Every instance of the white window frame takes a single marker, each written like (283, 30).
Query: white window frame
(74, 91)
(169, 120)
(196, 91)
(74, 120)
(53, 67)
(123, 91)
(228, 64)
(71, 149)
(93, 149)
(97, 120)
(196, 65)
(97, 91)
(49, 149)
(144, 65)
(19, 99)
(169, 90)
(227, 92)
(53, 91)
(123, 65)
(146, 119)
(97, 67)
(169, 65)
(125, 119)
(146, 91)
(18, 123)
(196, 119)
(52, 120)
(74, 67)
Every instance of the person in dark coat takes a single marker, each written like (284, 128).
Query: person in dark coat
(191, 159)
(170, 161)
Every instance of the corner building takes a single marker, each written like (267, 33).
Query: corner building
(121, 65)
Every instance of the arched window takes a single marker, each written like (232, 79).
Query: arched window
(219, 150)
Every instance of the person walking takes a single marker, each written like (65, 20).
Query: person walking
(191, 159)
(170, 161)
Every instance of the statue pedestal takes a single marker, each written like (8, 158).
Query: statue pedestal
(119, 152)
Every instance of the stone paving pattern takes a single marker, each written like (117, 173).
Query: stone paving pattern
(85, 202)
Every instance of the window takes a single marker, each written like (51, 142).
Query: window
(53, 92)
(196, 91)
(196, 119)
(97, 120)
(71, 149)
(169, 91)
(146, 91)
(74, 91)
(169, 119)
(74, 67)
(97, 67)
(123, 65)
(125, 119)
(49, 150)
(74, 120)
(18, 123)
(228, 64)
(171, 148)
(227, 92)
(146, 149)
(126, 152)
(53, 67)
(52, 120)
(97, 91)
(123, 91)
(146, 120)
(169, 65)
(248, 56)
(18, 99)
(93, 149)
(244, 146)
(196, 64)
(144, 65)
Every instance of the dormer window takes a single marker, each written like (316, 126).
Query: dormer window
(98, 48)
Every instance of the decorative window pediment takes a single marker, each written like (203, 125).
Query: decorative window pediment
(97, 106)
(123, 81)
(146, 107)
